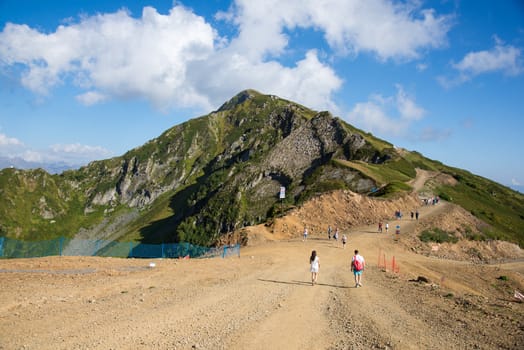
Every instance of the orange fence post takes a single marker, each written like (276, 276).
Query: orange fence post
(394, 267)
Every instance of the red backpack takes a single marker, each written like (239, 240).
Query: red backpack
(357, 264)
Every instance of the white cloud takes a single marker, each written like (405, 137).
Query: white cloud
(388, 29)
(406, 106)
(372, 116)
(91, 98)
(422, 67)
(76, 148)
(515, 182)
(309, 81)
(387, 115)
(179, 60)
(9, 141)
(72, 154)
(10, 146)
(115, 54)
(502, 58)
(391, 30)
(76, 153)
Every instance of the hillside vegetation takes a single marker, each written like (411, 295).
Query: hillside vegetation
(215, 174)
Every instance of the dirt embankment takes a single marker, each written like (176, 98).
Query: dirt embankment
(344, 210)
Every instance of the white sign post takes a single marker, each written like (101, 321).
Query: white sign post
(282, 196)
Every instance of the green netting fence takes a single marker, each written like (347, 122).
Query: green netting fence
(13, 248)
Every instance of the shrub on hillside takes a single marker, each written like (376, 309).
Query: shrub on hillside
(469, 234)
(437, 235)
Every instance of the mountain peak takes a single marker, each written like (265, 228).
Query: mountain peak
(238, 99)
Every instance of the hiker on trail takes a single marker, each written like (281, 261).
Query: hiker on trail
(380, 226)
(387, 227)
(416, 214)
(344, 241)
(335, 236)
(412, 215)
(357, 266)
(329, 232)
(397, 232)
(315, 266)
(305, 234)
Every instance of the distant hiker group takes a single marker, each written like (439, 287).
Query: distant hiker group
(336, 235)
(432, 200)
(398, 216)
(413, 214)
(380, 225)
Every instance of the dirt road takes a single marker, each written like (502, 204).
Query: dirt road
(263, 300)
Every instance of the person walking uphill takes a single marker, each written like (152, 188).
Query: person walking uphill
(315, 266)
(357, 266)
(304, 234)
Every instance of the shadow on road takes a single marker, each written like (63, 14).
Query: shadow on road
(303, 283)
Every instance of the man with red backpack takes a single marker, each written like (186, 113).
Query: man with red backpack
(357, 266)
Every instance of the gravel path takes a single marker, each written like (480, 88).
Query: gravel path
(262, 300)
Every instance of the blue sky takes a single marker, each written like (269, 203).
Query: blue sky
(82, 80)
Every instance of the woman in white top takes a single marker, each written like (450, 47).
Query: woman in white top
(315, 266)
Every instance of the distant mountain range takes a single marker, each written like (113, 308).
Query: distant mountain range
(215, 174)
(19, 163)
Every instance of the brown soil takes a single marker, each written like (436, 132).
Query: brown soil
(264, 298)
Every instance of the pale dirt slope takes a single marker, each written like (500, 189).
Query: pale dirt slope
(264, 299)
